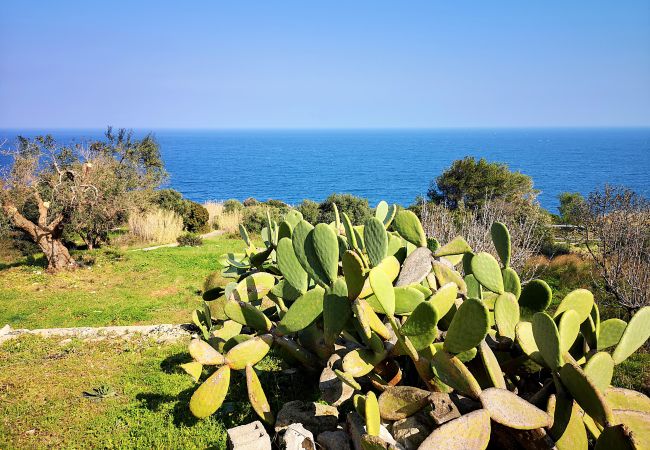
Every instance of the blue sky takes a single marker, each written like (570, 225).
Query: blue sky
(308, 64)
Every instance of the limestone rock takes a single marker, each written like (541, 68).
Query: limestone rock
(413, 430)
(442, 408)
(297, 437)
(313, 416)
(416, 267)
(251, 436)
(357, 428)
(332, 389)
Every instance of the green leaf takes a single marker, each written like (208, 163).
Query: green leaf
(409, 227)
(535, 297)
(326, 247)
(580, 300)
(487, 272)
(501, 239)
(634, 336)
(468, 327)
(337, 310)
(611, 331)
(383, 290)
(210, 395)
(547, 338)
(376, 239)
(303, 312)
(290, 266)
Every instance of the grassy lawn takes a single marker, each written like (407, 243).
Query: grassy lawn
(42, 403)
(116, 288)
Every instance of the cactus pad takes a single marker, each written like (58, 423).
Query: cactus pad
(303, 312)
(491, 365)
(253, 288)
(454, 373)
(376, 240)
(456, 246)
(336, 310)
(407, 298)
(468, 432)
(586, 393)
(618, 437)
(501, 240)
(580, 300)
(487, 272)
(248, 352)
(568, 430)
(600, 370)
(474, 289)
(257, 397)
(547, 338)
(513, 411)
(205, 354)
(638, 423)
(445, 275)
(511, 282)
(619, 398)
(371, 410)
(526, 340)
(383, 290)
(535, 297)
(353, 273)
(468, 327)
(420, 327)
(635, 335)
(194, 369)
(360, 362)
(444, 298)
(210, 395)
(568, 327)
(326, 249)
(289, 265)
(399, 402)
(247, 314)
(347, 379)
(506, 314)
(409, 227)
(610, 334)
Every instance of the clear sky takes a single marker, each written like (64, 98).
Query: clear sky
(348, 63)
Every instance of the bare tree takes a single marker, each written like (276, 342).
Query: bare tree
(617, 235)
(525, 222)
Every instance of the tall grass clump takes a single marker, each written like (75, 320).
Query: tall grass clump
(156, 226)
(215, 209)
(223, 216)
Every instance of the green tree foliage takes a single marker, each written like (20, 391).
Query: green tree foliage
(309, 210)
(356, 208)
(195, 216)
(232, 205)
(468, 182)
(572, 207)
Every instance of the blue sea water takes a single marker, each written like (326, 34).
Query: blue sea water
(394, 165)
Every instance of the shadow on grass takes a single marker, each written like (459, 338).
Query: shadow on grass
(40, 262)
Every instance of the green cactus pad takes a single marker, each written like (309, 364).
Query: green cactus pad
(568, 327)
(349, 233)
(617, 437)
(468, 327)
(284, 230)
(248, 352)
(371, 410)
(619, 398)
(526, 340)
(547, 338)
(347, 379)
(390, 266)
(253, 288)
(245, 237)
(468, 432)
(376, 239)
(353, 273)
(535, 297)
(290, 266)
(588, 330)
(420, 327)
(205, 354)
(454, 373)
(257, 397)
(381, 211)
(302, 240)
(390, 216)
(506, 314)
(474, 289)
(511, 282)
(400, 402)
(383, 290)
(326, 249)
(396, 246)
(568, 430)
(235, 340)
(456, 246)
(303, 312)
(580, 300)
(373, 320)
(600, 370)
(360, 362)
(487, 272)
(501, 240)
(407, 298)
(229, 329)
(210, 395)
(611, 331)
(194, 369)
(445, 275)
(336, 310)
(635, 335)
(293, 217)
(248, 315)
(363, 320)
(585, 393)
(638, 423)
(444, 298)
(513, 411)
(409, 227)
(491, 365)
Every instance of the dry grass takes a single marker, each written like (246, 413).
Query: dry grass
(156, 227)
(220, 220)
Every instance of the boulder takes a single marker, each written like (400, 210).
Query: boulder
(334, 440)
(357, 428)
(443, 408)
(313, 416)
(416, 267)
(413, 430)
(297, 437)
(332, 389)
(251, 436)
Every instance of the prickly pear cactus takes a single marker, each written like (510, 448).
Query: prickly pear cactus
(415, 319)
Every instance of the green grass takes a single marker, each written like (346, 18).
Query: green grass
(42, 403)
(116, 288)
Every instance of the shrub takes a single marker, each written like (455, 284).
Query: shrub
(232, 205)
(251, 201)
(279, 204)
(309, 210)
(356, 208)
(196, 218)
(158, 226)
(254, 217)
(189, 240)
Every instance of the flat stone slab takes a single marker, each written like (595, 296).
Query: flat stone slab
(161, 333)
(251, 436)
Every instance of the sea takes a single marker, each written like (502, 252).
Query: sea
(381, 164)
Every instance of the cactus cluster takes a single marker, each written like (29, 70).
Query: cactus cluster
(388, 301)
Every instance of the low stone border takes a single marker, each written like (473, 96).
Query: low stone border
(160, 333)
